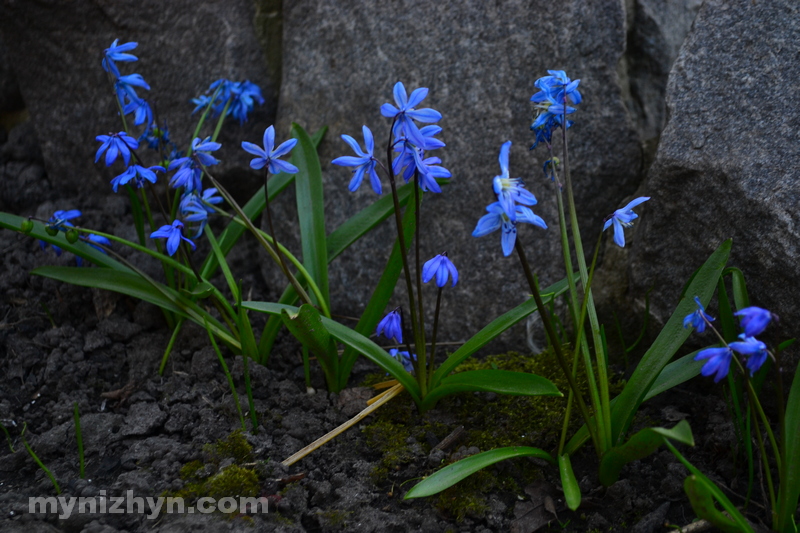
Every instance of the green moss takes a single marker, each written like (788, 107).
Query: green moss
(234, 446)
(335, 518)
(192, 471)
(234, 481)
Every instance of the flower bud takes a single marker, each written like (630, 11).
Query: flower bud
(26, 226)
(72, 236)
(52, 231)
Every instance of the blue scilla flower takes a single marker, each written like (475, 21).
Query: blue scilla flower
(391, 326)
(754, 349)
(510, 191)
(116, 52)
(441, 268)
(60, 219)
(174, 235)
(405, 113)
(268, 156)
(154, 136)
(142, 113)
(364, 162)
(116, 144)
(244, 94)
(137, 173)
(190, 171)
(557, 85)
(124, 86)
(93, 241)
(623, 218)
(718, 362)
(497, 218)
(754, 320)
(429, 170)
(699, 318)
(195, 207)
(405, 359)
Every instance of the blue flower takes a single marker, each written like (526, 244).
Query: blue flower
(754, 349)
(115, 144)
(197, 208)
(242, 96)
(497, 218)
(268, 157)
(93, 241)
(190, 170)
(698, 318)
(139, 173)
(412, 158)
(509, 190)
(440, 267)
(391, 326)
(719, 362)
(405, 359)
(141, 112)
(60, 219)
(174, 235)
(124, 86)
(556, 86)
(754, 320)
(155, 136)
(429, 171)
(405, 113)
(364, 163)
(623, 218)
(116, 52)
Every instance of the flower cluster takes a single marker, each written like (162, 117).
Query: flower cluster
(235, 99)
(552, 103)
(60, 221)
(754, 321)
(512, 206)
(125, 86)
(410, 142)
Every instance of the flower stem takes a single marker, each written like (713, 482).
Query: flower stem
(548, 326)
(433, 335)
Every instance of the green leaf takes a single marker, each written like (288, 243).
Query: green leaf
(499, 381)
(495, 328)
(667, 343)
(138, 287)
(703, 504)
(80, 248)
(306, 326)
(311, 210)
(452, 474)
(716, 493)
(677, 372)
(351, 338)
(789, 491)
(740, 296)
(640, 446)
(572, 491)
(201, 290)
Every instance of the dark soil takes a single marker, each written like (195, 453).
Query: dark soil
(61, 345)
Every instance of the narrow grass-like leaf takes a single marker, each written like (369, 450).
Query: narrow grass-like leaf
(498, 381)
(311, 209)
(347, 336)
(452, 474)
(640, 446)
(667, 343)
(226, 271)
(740, 297)
(572, 491)
(136, 211)
(718, 495)
(306, 326)
(789, 491)
(493, 329)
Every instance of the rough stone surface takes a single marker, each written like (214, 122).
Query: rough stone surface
(479, 61)
(55, 49)
(727, 163)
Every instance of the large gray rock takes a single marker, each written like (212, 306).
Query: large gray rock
(727, 163)
(55, 49)
(479, 61)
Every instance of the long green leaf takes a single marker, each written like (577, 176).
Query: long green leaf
(499, 381)
(452, 474)
(79, 248)
(351, 338)
(789, 491)
(493, 329)
(638, 447)
(306, 326)
(667, 343)
(709, 485)
(572, 491)
(381, 295)
(311, 210)
(140, 288)
(253, 209)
